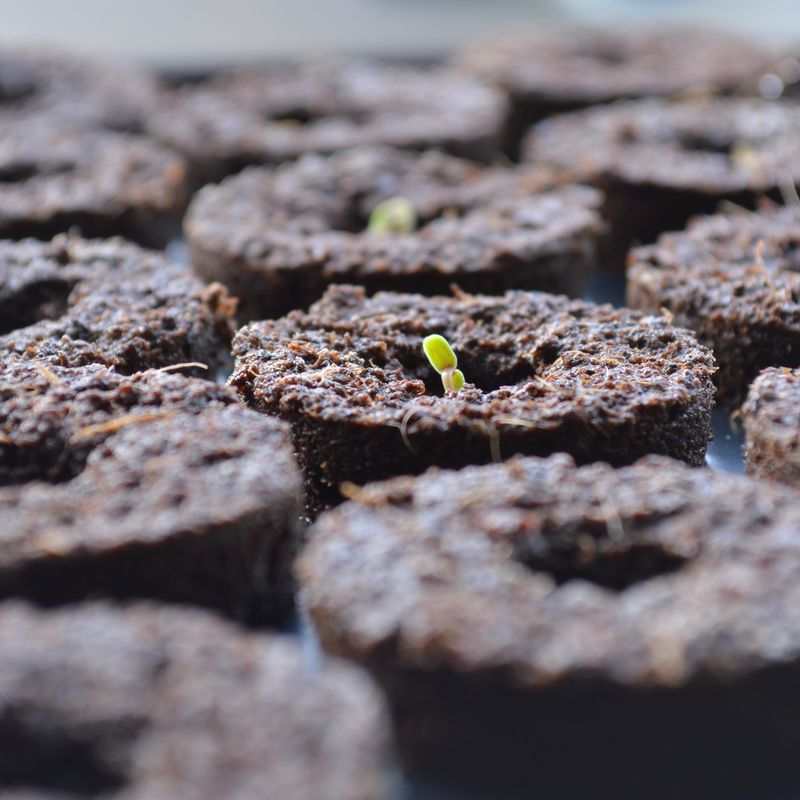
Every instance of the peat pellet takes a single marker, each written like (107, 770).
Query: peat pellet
(72, 302)
(661, 162)
(276, 237)
(56, 178)
(771, 419)
(734, 279)
(152, 485)
(77, 90)
(544, 374)
(148, 701)
(553, 70)
(269, 115)
(563, 631)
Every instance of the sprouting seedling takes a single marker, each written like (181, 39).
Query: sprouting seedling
(395, 215)
(444, 361)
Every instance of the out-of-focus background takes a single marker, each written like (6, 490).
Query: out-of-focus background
(196, 34)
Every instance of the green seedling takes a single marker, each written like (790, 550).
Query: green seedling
(396, 215)
(444, 361)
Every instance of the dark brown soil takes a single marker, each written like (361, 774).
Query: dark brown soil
(266, 116)
(550, 71)
(102, 183)
(772, 426)
(574, 631)
(152, 702)
(75, 89)
(152, 486)
(660, 163)
(72, 302)
(278, 237)
(743, 304)
(544, 374)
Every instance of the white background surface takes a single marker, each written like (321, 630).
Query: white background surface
(195, 33)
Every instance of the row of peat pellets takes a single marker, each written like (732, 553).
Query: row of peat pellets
(539, 587)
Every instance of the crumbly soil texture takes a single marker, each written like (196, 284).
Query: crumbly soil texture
(550, 71)
(544, 374)
(771, 419)
(72, 302)
(266, 116)
(74, 90)
(661, 162)
(504, 608)
(56, 178)
(734, 279)
(152, 485)
(278, 236)
(150, 701)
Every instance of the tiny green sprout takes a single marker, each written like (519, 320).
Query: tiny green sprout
(444, 361)
(395, 215)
